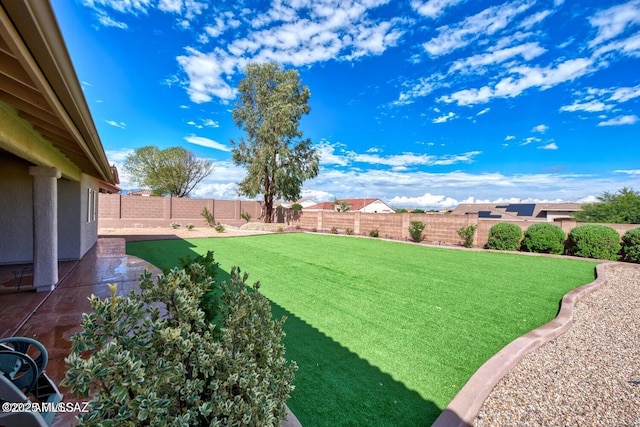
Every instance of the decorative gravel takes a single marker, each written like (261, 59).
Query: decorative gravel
(590, 376)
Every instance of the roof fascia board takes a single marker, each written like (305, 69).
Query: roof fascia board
(47, 53)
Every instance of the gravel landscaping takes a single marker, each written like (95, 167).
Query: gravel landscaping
(589, 376)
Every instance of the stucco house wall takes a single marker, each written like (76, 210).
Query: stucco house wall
(16, 212)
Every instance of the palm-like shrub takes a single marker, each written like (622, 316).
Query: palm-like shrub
(544, 238)
(156, 359)
(594, 241)
(631, 245)
(505, 236)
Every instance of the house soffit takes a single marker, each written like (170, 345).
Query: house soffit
(30, 65)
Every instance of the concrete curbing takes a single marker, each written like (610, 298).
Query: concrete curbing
(463, 409)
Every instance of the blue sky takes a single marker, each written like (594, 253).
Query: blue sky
(422, 103)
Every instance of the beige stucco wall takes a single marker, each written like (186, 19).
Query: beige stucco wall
(76, 234)
(16, 212)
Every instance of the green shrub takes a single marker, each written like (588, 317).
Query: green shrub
(208, 217)
(544, 237)
(374, 233)
(417, 211)
(415, 230)
(297, 207)
(631, 245)
(334, 230)
(280, 229)
(175, 225)
(505, 236)
(466, 234)
(153, 358)
(246, 216)
(219, 228)
(401, 210)
(349, 231)
(595, 241)
(190, 226)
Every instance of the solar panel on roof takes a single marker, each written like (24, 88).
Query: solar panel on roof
(488, 214)
(522, 209)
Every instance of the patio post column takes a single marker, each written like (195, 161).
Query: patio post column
(45, 227)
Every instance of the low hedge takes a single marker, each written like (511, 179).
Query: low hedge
(595, 241)
(631, 245)
(544, 237)
(504, 237)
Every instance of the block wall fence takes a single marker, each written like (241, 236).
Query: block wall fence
(118, 211)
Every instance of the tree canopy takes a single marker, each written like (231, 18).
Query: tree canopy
(175, 171)
(622, 207)
(271, 103)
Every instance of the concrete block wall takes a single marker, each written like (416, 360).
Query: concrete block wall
(122, 211)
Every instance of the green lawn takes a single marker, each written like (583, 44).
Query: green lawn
(386, 333)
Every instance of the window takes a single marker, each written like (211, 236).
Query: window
(92, 205)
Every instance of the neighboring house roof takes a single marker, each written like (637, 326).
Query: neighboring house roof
(517, 211)
(38, 80)
(140, 193)
(354, 205)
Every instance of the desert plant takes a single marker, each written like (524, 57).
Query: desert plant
(415, 230)
(190, 226)
(544, 237)
(208, 217)
(374, 233)
(466, 234)
(594, 241)
(246, 216)
(334, 230)
(175, 225)
(279, 229)
(349, 231)
(219, 228)
(152, 358)
(505, 236)
(631, 245)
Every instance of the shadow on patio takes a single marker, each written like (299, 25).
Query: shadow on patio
(53, 317)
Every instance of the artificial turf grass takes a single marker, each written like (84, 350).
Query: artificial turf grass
(415, 320)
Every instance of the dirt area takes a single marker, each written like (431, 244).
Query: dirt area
(158, 233)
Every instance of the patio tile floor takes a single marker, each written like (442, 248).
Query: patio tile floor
(53, 317)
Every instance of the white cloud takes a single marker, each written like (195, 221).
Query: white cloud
(298, 34)
(612, 22)
(433, 8)
(550, 146)
(485, 23)
(121, 125)
(474, 64)
(107, 21)
(206, 142)
(334, 154)
(485, 111)
(529, 140)
(427, 200)
(525, 78)
(624, 94)
(509, 137)
(622, 120)
(445, 118)
(590, 106)
(628, 171)
(540, 128)
(534, 19)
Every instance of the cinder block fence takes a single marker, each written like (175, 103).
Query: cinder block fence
(117, 211)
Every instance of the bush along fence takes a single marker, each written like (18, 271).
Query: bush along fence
(597, 241)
